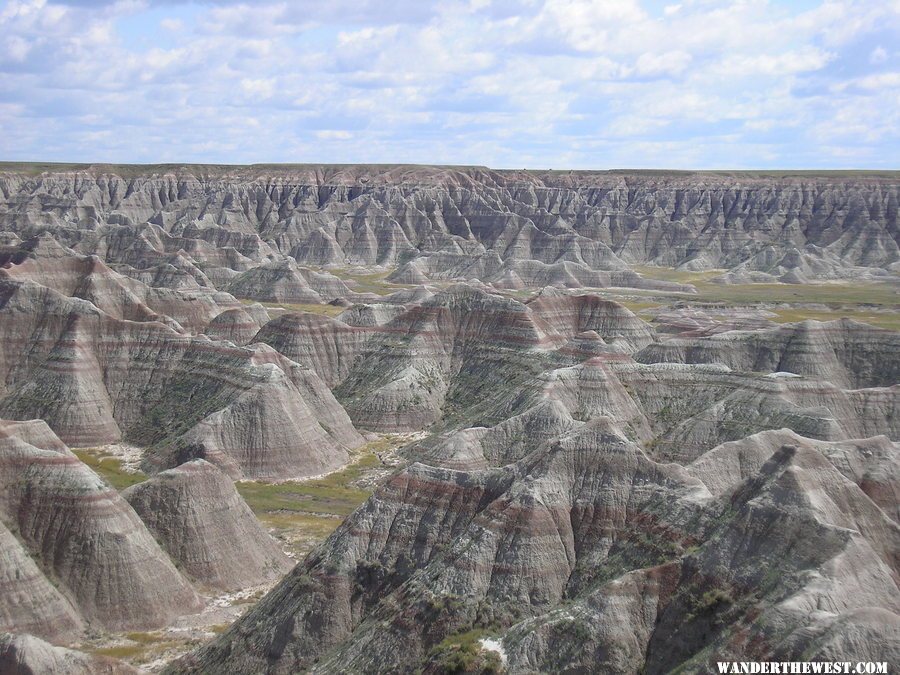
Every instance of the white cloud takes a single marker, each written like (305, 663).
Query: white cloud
(16, 48)
(547, 82)
(263, 88)
(666, 63)
(174, 25)
(879, 55)
(333, 135)
(880, 81)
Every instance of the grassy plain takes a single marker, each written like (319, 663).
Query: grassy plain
(109, 467)
(304, 512)
(875, 303)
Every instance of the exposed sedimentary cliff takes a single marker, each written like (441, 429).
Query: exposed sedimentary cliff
(515, 228)
(566, 533)
(201, 521)
(587, 555)
(84, 538)
(96, 378)
(845, 353)
(593, 487)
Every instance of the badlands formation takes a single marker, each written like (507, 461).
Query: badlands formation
(561, 421)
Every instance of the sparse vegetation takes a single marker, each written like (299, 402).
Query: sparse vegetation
(713, 599)
(874, 303)
(138, 648)
(882, 319)
(463, 653)
(326, 495)
(837, 294)
(305, 512)
(109, 467)
(310, 307)
(367, 282)
(671, 274)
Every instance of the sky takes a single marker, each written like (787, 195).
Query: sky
(581, 84)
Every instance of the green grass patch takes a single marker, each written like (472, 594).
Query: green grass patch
(145, 638)
(639, 306)
(835, 293)
(889, 320)
(109, 468)
(321, 496)
(299, 532)
(304, 513)
(875, 303)
(368, 282)
(310, 307)
(285, 522)
(827, 293)
(123, 652)
(462, 653)
(333, 494)
(141, 647)
(671, 274)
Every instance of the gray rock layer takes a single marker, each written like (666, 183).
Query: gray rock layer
(206, 527)
(28, 655)
(521, 227)
(85, 540)
(589, 556)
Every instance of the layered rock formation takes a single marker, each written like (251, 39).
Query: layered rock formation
(30, 600)
(460, 353)
(203, 524)
(590, 491)
(86, 277)
(285, 282)
(80, 550)
(602, 514)
(235, 325)
(846, 353)
(870, 463)
(28, 655)
(588, 555)
(97, 379)
(514, 228)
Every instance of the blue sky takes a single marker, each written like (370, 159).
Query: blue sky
(503, 83)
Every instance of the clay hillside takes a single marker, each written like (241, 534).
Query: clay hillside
(381, 419)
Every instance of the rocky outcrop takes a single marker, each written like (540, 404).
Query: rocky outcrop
(28, 655)
(513, 541)
(509, 227)
(84, 537)
(845, 352)
(205, 526)
(516, 274)
(274, 282)
(745, 573)
(589, 491)
(86, 277)
(403, 367)
(468, 354)
(570, 316)
(288, 425)
(235, 325)
(29, 601)
(326, 345)
(97, 379)
(693, 408)
(652, 569)
(870, 463)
